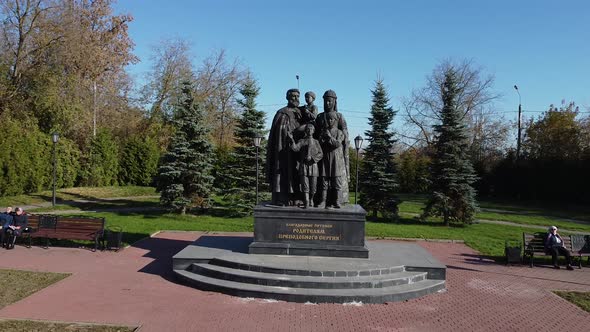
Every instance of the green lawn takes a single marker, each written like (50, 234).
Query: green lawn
(527, 215)
(13, 325)
(489, 239)
(17, 284)
(581, 299)
(124, 203)
(24, 283)
(78, 193)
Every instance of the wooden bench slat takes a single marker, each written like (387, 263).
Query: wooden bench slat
(67, 228)
(535, 244)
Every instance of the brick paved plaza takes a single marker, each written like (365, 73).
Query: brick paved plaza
(135, 287)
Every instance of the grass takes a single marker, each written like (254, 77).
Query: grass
(108, 192)
(68, 194)
(13, 325)
(556, 209)
(489, 239)
(534, 220)
(123, 203)
(413, 204)
(17, 284)
(581, 299)
(24, 283)
(140, 225)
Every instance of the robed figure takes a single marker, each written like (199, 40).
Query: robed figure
(281, 161)
(331, 108)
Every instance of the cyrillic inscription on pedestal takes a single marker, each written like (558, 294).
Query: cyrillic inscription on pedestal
(314, 232)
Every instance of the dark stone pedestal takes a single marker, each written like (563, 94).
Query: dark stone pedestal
(309, 232)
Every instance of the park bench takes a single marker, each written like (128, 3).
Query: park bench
(534, 244)
(66, 228)
(581, 247)
(39, 226)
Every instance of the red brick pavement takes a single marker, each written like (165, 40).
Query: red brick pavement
(135, 287)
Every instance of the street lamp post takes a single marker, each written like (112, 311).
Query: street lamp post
(54, 139)
(519, 129)
(257, 140)
(358, 142)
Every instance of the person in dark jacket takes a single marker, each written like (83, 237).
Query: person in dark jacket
(554, 246)
(5, 221)
(19, 223)
(6, 217)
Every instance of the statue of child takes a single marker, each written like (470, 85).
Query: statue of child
(310, 153)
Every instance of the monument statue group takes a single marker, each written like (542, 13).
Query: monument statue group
(307, 153)
(308, 166)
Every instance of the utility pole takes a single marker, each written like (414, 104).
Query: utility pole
(54, 139)
(519, 125)
(94, 108)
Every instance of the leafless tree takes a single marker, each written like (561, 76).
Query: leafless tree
(218, 83)
(172, 65)
(475, 100)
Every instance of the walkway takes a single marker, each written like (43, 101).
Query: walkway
(134, 287)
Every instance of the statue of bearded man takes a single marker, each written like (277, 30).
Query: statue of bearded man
(281, 161)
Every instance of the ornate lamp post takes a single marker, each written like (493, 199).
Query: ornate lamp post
(257, 140)
(358, 143)
(519, 129)
(54, 139)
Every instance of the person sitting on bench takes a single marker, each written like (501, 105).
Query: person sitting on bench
(19, 223)
(554, 246)
(5, 221)
(6, 217)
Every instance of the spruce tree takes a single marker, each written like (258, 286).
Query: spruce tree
(452, 174)
(243, 159)
(378, 178)
(184, 179)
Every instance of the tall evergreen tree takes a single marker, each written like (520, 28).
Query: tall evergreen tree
(378, 178)
(184, 179)
(452, 193)
(243, 160)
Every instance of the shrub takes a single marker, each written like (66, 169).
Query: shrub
(139, 161)
(101, 162)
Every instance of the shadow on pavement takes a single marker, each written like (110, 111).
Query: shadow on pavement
(161, 250)
(233, 243)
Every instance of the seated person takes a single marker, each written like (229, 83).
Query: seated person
(554, 246)
(19, 223)
(6, 218)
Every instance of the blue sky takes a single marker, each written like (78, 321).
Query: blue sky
(542, 46)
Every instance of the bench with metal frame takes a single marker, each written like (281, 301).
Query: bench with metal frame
(66, 228)
(534, 244)
(581, 247)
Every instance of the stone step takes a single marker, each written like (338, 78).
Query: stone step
(377, 270)
(364, 295)
(297, 281)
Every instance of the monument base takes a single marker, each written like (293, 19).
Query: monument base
(309, 232)
(394, 272)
